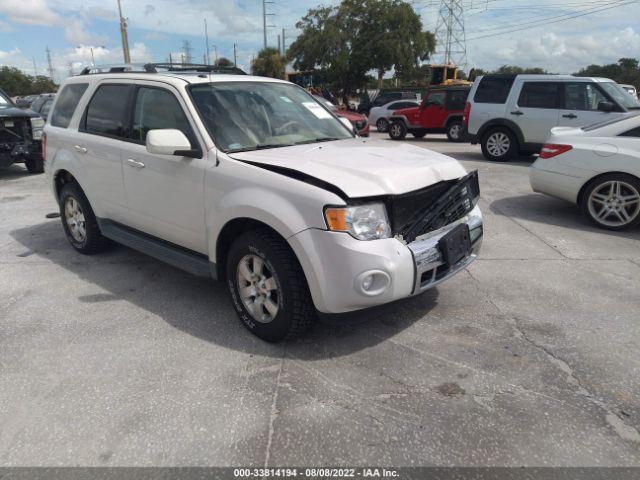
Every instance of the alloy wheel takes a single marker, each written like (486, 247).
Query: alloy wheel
(74, 216)
(395, 130)
(498, 144)
(382, 125)
(258, 288)
(455, 130)
(614, 203)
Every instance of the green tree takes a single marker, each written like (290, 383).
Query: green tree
(15, 82)
(223, 62)
(626, 71)
(269, 63)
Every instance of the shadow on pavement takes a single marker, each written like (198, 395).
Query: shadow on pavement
(202, 308)
(14, 171)
(540, 208)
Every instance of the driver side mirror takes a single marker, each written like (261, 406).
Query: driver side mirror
(348, 124)
(169, 141)
(606, 107)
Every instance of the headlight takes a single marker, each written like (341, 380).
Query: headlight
(364, 222)
(37, 124)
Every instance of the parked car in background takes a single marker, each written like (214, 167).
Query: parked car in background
(378, 116)
(25, 101)
(596, 167)
(251, 181)
(513, 114)
(359, 122)
(20, 136)
(42, 104)
(631, 89)
(385, 97)
(441, 111)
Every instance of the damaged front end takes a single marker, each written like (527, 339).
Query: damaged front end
(20, 139)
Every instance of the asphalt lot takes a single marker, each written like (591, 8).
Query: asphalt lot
(531, 357)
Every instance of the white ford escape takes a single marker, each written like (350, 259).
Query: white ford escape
(251, 181)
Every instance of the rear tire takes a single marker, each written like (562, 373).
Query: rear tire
(612, 201)
(34, 165)
(382, 125)
(79, 221)
(397, 130)
(268, 288)
(499, 145)
(455, 131)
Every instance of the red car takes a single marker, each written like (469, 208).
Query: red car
(441, 111)
(359, 122)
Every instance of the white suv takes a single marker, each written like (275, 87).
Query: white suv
(251, 181)
(514, 114)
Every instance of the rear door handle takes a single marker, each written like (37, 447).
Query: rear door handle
(517, 112)
(134, 163)
(80, 149)
(570, 115)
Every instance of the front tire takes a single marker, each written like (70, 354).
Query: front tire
(79, 221)
(397, 130)
(455, 131)
(612, 201)
(268, 288)
(499, 145)
(382, 125)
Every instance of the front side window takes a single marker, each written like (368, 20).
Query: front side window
(244, 116)
(157, 109)
(107, 111)
(66, 104)
(582, 96)
(436, 99)
(539, 95)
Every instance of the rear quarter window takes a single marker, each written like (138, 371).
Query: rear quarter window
(493, 89)
(68, 100)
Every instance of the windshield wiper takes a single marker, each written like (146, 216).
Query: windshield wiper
(260, 146)
(317, 140)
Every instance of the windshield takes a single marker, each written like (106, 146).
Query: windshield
(620, 95)
(243, 116)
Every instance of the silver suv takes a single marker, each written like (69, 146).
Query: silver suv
(514, 114)
(253, 182)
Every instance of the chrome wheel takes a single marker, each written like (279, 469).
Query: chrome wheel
(74, 216)
(396, 130)
(259, 288)
(498, 144)
(614, 203)
(455, 130)
(382, 125)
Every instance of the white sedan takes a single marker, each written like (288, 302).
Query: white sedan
(596, 167)
(378, 115)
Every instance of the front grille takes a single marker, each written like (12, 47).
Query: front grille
(13, 130)
(453, 201)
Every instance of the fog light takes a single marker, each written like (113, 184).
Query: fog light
(367, 282)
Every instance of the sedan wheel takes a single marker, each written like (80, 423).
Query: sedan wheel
(614, 202)
(382, 125)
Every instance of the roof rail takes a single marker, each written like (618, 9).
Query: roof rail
(192, 67)
(160, 67)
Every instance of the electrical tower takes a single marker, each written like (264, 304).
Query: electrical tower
(265, 14)
(450, 35)
(186, 51)
(51, 70)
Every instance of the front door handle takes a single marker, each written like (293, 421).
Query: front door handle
(517, 112)
(134, 163)
(80, 149)
(570, 115)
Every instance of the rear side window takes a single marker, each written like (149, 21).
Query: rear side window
(634, 132)
(493, 89)
(67, 102)
(539, 95)
(107, 111)
(457, 99)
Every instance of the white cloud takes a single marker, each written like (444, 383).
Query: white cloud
(75, 31)
(30, 12)
(11, 53)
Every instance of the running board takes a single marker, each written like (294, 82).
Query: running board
(187, 260)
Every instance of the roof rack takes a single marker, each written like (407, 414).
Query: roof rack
(161, 67)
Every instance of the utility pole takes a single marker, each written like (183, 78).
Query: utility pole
(35, 69)
(51, 70)
(93, 60)
(170, 59)
(279, 44)
(124, 35)
(450, 34)
(264, 20)
(284, 48)
(206, 41)
(235, 60)
(70, 67)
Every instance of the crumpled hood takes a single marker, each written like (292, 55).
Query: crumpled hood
(360, 167)
(16, 112)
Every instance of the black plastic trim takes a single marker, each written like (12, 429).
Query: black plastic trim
(502, 122)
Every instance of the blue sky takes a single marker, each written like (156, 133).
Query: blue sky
(71, 28)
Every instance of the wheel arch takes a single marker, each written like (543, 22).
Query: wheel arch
(504, 123)
(452, 118)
